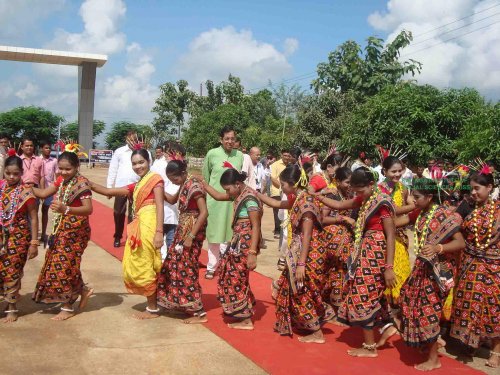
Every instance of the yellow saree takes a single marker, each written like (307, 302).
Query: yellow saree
(141, 260)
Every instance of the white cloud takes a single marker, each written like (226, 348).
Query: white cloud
(27, 92)
(20, 16)
(216, 53)
(454, 53)
(101, 33)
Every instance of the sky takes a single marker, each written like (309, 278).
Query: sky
(150, 42)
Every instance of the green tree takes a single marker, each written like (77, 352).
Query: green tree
(33, 122)
(423, 120)
(348, 68)
(70, 130)
(118, 133)
(480, 135)
(170, 108)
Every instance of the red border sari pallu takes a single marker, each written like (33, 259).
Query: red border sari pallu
(425, 291)
(178, 284)
(233, 286)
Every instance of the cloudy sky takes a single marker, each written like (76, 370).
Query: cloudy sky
(150, 42)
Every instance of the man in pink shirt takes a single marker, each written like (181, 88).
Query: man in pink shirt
(32, 165)
(50, 170)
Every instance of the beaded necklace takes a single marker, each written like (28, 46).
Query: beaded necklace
(6, 217)
(420, 241)
(360, 223)
(133, 194)
(65, 196)
(490, 226)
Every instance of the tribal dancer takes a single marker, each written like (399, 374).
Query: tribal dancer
(18, 233)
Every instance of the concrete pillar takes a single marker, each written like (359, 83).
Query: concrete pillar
(86, 92)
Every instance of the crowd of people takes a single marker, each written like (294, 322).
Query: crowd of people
(344, 229)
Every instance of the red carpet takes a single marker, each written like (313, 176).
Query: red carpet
(284, 355)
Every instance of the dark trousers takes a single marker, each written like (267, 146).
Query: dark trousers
(277, 221)
(119, 211)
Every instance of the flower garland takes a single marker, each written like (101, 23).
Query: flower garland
(65, 196)
(360, 223)
(420, 242)
(490, 226)
(6, 218)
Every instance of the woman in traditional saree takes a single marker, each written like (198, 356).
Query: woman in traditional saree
(18, 233)
(142, 256)
(476, 306)
(298, 290)
(438, 242)
(179, 287)
(233, 287)
(338, 238)
(72, 206)
(370, 265)
(393, 169)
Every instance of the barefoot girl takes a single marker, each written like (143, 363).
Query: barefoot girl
(370, 265)
(298, 291)
(338, 238)
(72, 206)
(142, 256)
(438, 242)
(233, 287)
(393, 169)
(178, 284)
(18, 233)
(476, 313)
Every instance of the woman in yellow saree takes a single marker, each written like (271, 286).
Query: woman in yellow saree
(142, 257)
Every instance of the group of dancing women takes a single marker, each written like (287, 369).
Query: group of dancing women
(346, 262)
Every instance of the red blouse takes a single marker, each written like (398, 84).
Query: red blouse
(76, 202)
(375, 222)
(318, 182)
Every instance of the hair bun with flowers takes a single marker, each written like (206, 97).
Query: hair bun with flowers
(136, 143)
(70, 145)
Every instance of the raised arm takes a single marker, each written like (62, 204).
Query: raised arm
(109, 192)
(44, 193)
(401, 221)
(273, 202)
(217, 195)
(337, 205)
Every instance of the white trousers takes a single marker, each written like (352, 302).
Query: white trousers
(214, 251)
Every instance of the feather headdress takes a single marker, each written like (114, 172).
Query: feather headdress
(136, 143)
(385, 152)
(480, 166)
(70, 145)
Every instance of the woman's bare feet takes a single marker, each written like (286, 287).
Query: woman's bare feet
(429, 365)
(11, 316)
(441, 342)
(244, 324)
(148, 314)
(366, 351)
(386, 335)
(65, 314)
(314, 338)
(494, 360)
(84, 297)
(196, 319)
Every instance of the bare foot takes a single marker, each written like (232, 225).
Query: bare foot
(386, 335)
(245, 325)
(145, 315)
(11, 316)
(334, 321)
(63, 315)
(84, 297)
(441, 342)
(362, 352)
(428, 365)
(494, 361)
(196, 319)
(313, 338)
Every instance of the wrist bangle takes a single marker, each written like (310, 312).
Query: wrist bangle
(389, 266)
(301, 264)
(191, 235)
(253, 252)
(35, 242)
(159, 231)
(441, 249)
(67, 210)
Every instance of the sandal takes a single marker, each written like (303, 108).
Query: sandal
(209, 275)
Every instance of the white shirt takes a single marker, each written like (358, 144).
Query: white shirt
(248, 169)
(317, 167)
(258, 175)
(381, 177)
(170, 211)
(120, 171)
